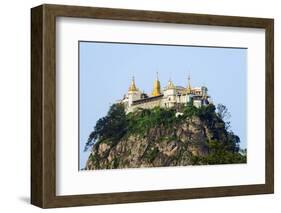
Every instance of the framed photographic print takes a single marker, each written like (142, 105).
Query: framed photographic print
(136, 106)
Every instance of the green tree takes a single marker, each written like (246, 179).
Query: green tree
(224, 115)
(219, 153)
(207, 113)
(111, 127)
(189, 111)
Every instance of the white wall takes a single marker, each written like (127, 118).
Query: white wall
(15, 104)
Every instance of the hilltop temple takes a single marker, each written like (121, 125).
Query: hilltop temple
(169, 96)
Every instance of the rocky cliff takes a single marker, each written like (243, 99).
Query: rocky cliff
(190, 139)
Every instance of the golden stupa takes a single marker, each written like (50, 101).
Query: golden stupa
(170, 85)
(132, 87)
(156, 87)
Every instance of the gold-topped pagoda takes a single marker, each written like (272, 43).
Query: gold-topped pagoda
(170, 85)
(133, 87)
(156, 87)
(170, 96)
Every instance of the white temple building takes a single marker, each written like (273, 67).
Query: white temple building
(169, 96)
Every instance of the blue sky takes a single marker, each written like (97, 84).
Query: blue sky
(106, 70)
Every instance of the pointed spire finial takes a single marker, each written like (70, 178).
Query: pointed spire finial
(156, 86)
(189, 85)
(133, 87)
(170, 84)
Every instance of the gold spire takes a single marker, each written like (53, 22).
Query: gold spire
(170, 84)
(189, 86)
(156, 87)
(133, 87)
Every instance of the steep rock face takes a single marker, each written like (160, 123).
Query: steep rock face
(161, 146)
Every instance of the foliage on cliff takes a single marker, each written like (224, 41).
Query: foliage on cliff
(157, 137)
